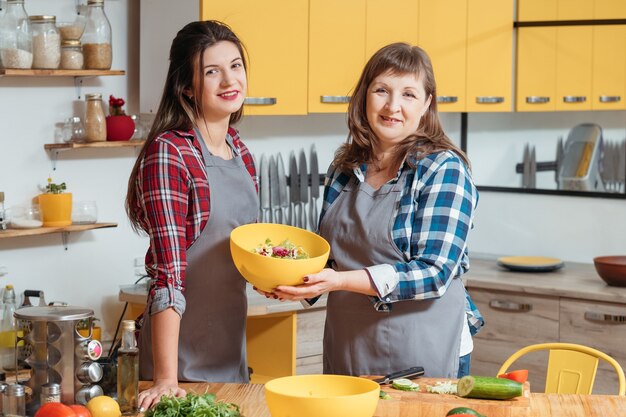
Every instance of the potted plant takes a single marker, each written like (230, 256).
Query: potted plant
(55, 205)
(119, 125)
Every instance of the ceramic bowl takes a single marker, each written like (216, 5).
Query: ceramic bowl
(321, 395)
(612, 269)
(265, 272)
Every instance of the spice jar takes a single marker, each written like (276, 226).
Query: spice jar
(46, 42)
(14, 401)
(71, 55)
(97, 37)
(95, 121)
(50, 393)
(16, 50)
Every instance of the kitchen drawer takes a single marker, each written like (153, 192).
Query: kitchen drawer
(512, 321)
(310, 332)
(598, 325)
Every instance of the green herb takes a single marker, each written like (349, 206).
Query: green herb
(193, 405)
(383, 395)
(53, 188)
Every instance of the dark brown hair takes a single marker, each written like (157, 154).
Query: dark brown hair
(399, 59)
(178, 110)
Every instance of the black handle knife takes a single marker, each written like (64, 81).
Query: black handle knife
(406, 373)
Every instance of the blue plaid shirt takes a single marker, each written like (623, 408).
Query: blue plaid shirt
(430, 228)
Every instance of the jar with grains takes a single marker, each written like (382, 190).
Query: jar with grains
(14, 401)
(95, 121)
(46, 42)
(97, 37)
(50, 393)
(16, 50)
(71, 55)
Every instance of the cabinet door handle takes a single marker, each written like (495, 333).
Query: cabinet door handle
(610, 99)
(335, 99)
(604, 318)
(537, 100)
(260, 101)
(574, 99)
(510, 306)
(447, 99)
(489, 100)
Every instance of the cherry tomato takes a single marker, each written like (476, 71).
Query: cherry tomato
(80, 410)
(55, 410)
(519, 376)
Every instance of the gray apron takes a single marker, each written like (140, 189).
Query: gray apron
(358, 340)
(212, 341)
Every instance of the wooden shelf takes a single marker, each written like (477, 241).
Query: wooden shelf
(57, 73)
(11, 233)
(107, 144)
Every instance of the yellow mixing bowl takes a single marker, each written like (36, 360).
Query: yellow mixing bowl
(321, 395)
(267, 273)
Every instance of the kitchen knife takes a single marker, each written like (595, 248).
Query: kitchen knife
(274, 192)
(315, 189)
(294, 189)
(282, 189)
(304, 188)
(265, 191)
(407, 373)
(257, 168)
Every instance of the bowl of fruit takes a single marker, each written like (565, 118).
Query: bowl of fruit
(268, 254)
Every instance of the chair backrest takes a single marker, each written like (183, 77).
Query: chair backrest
(571, 368)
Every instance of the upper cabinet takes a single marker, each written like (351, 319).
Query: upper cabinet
(549, 10)
(275, 35)
(382, 31)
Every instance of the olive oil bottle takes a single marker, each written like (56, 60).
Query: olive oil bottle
(128, 370)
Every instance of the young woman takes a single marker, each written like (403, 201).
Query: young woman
(398, 205)
(193, 182)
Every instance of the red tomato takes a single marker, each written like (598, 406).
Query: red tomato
(55, 410)
(519, 376)
(80, 410)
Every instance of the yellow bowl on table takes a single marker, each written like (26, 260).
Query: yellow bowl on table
(266, 273)
(321, 395)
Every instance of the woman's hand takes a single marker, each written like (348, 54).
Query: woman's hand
(151, 396)
(314, 285)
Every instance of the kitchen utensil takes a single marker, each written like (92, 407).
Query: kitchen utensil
(294, 190)
(282, 189)
(606, 168)
(532, 176)
(315, 189)
(274, 192)
(530, 263)
(621, 167)
(304, 188)
(266, 272)
(266, 212)
(406, 373)
(257, 168)
(581, 165)
(612, 269)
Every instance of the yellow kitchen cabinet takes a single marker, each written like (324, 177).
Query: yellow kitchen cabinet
(336, 52)
(443, 35)
(536, 10)
(609, 9)
(536, 69)
(573, 67)
(275, 34)
(489, 55)
(575, 9)
(381, 31)
(609, 68)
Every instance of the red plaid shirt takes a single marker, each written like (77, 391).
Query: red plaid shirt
(174, 203)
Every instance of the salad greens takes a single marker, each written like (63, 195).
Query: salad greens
(193, 405)
(284, 250)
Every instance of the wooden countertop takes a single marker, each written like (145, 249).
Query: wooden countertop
(251, 398)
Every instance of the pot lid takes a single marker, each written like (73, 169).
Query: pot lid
(53, 313)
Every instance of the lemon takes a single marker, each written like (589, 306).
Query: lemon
(104, 406)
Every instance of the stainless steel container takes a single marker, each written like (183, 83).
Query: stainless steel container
(59, 353)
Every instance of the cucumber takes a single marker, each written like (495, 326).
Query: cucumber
(404, 384)
(489, 388)
(464, 411)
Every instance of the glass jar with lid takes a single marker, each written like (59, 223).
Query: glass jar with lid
(46, 42)
(71, 55)
(95, 121)
(16, 50)
(14, 400)
(97, 37)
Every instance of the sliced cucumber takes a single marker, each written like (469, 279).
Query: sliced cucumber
(488, 387)
(404, 384)
(464, 410)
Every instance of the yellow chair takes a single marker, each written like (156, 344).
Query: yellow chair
(571, 368)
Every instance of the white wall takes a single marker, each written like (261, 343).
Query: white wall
(97, 262)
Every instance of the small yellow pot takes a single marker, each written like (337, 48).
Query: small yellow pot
(56, 209)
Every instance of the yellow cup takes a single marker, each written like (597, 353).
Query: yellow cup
(56, 209)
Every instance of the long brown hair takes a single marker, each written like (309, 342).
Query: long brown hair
(400, 59)
(179, 110)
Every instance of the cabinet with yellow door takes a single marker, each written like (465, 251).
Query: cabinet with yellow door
(549, 10)
(608, 84)
(536, 69)
(381, 31)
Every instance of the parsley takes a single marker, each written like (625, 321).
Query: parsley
(193, 405)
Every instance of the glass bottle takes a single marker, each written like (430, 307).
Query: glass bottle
(128, 370)
(50, 393)
(8, 330)
(16, 49)
(95, 120)
(14, 401)
(97, 37)
(46, 42)
(71, 55)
